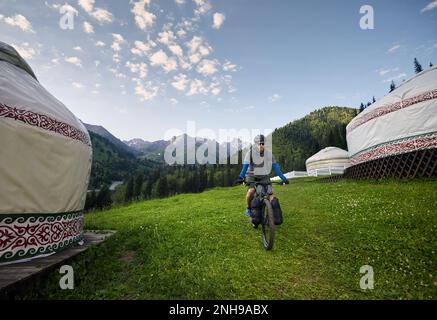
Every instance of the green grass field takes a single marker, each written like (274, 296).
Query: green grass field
(201, 246)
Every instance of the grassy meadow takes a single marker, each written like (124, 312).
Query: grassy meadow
(201, 246)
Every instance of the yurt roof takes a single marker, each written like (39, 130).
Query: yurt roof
(403, 121)
(421, 82)
(327, 154)
(9, 54)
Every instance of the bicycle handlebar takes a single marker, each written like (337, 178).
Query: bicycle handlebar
(271, 182)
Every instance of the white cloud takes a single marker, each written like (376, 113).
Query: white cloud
(143, 18)
(430, 6)
(397, 77)
(394, 48)
(202, 7)
(101, 15)
(207, 67)
(180, 82)
(176, 50)
(180, 2)
(215, 89)
(194, 58)
(166, 37)
(87, 27)
(95, 92)
(117, 74)
(204, 50)
(194, 43)
(77, 85)
(184, 64)
(383, 72)
(274, 97)
(138, 68)
(74, 60)
(181, 33)
(197, 87)
(160, 58)
(79, 49)
(116, 46)
(141, 49)
(25, 50)
(173, 101)
(19, 21)
(228, 66)
(145, 92)
(100, 44)
(87, 5)
(218, 19)
(197, 49)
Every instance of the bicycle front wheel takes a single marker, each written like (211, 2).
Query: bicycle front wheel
(268, 226)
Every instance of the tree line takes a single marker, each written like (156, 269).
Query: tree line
(164, 182)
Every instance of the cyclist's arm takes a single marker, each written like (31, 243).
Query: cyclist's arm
(278, 171)
(244, 170)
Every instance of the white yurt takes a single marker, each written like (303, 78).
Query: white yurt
(404, 121)
(331, 160)
(45, 164)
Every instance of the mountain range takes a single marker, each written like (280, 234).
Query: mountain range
(293, 143)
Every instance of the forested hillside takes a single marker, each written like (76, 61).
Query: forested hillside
(300, 139)
(113, 163)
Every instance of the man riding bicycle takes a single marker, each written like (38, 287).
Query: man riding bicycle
(257, 166)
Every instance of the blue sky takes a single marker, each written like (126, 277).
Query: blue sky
(140, 68)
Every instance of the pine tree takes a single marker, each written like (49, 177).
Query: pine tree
(137, 186)
(392, 86)
(90, 202)
(417, 66)
(103, 199)
(211, 178)
(129, 190)
(147, 189)
(362, 107)
(431, 65)
(373, 100)
(162, 187)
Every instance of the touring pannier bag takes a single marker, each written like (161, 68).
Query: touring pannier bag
(256, 206)
(277, 212)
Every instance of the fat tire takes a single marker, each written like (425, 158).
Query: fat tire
(267, 216)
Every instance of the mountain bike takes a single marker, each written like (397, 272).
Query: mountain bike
(267, 215)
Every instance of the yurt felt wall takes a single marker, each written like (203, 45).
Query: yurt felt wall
(330, 157)
(45, 164)
(405, 120)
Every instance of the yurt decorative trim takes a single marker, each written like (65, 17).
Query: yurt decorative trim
(419, 142)
(22, 237)
(44, 122)
(403, 121)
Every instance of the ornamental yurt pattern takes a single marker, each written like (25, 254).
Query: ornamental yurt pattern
(24, 236)
(45, 164)
(404, 121)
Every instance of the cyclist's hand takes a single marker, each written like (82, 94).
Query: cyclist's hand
(239, 180)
